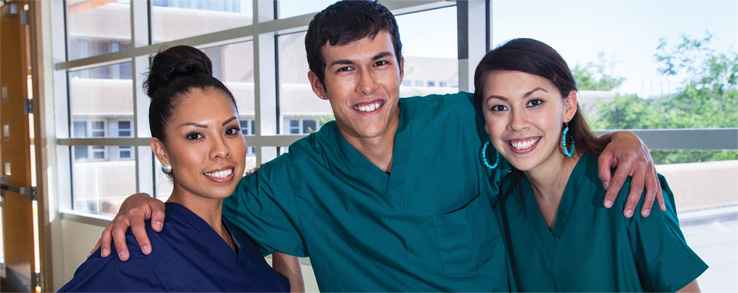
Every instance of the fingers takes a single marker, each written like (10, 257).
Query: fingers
(157, 216)
(105, 241)
(138, 229)
(616, 183)
(637, 184)
(660, 198)
(652, 189)
(119, 239)
(605, 162)
(95, 249)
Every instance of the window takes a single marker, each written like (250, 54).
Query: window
(294, 126)
(309, 126)
(81, 152)
(98, 128)
(431, 83)
(247, 126)
(124, 128)
(418, 83)
(80, 128)
(125, 153)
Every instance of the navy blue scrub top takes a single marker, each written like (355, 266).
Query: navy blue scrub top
(188, 255)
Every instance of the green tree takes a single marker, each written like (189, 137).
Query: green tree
(708, 97)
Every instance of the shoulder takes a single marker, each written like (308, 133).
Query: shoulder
(463, 100)
(107, 274)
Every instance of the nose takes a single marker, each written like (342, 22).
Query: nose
(367, 82)
(519, 120)
(219, 148)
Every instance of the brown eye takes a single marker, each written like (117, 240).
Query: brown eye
(535, 102)
(193, 136)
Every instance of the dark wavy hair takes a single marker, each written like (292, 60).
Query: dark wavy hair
(537, 58)
(173, 72)
(344, 22)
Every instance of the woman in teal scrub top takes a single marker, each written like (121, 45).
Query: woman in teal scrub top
(559, 236)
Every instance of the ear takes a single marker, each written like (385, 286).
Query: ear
(402, 69)
(317, 86)
(570, 106)
(159, 150)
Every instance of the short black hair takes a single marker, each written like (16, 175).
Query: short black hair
(344, 22)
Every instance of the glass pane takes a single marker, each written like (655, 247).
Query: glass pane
(86, 37)
(668, 66)
(428, 62)
(99, 100)
(290, 8)
(99, 187)
(297, 100)
(233, 64)
(176, 19)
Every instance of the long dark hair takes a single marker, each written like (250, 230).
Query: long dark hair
(344, 22)
(535, 57)
(173, 72)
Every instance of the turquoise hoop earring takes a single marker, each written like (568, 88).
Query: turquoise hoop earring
(484, 157)
(563, 142)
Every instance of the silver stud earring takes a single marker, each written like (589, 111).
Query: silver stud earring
(166, 168)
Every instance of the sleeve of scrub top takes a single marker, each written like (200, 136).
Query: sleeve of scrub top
(98, 274)
(664, 261)
(263, 206)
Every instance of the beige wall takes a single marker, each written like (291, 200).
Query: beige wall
(702, 185)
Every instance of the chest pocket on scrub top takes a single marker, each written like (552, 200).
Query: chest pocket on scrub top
(469, 239)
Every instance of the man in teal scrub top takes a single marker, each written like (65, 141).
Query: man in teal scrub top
(389, 197)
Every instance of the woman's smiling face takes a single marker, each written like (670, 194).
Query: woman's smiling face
(204, 145)
(523, 115)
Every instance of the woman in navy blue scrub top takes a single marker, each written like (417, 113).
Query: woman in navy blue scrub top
(558, 234)
(197, 138)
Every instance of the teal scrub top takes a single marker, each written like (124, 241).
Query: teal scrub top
(591, 248)
(428, 225)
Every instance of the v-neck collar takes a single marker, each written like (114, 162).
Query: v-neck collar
(551, 237)
(218, 243)
(373, 175)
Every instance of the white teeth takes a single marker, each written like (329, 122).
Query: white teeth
(220, 174)
(521, 145)
(368, 108)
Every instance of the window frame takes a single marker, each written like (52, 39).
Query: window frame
(474, 30)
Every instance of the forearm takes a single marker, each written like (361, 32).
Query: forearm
(289, 266)
(691, 287)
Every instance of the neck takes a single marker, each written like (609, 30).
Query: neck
(379, 149)
(548, 182)
(208, 209)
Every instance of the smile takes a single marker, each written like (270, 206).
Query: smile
(523, 145)
(368, 107)
(220, 174)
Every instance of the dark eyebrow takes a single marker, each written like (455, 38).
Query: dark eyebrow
(525, 95)
(382, 55)
(229, 120)
(350, 62)
(495, 97)
(194, 124)
(205, 126)
(533, 91)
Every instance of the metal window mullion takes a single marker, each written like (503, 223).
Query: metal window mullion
(264, 83)
(140, 37)
(472, 39)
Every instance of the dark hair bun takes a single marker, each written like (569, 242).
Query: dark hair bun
(175, 62)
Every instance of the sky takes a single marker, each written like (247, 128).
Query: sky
(627, 32)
